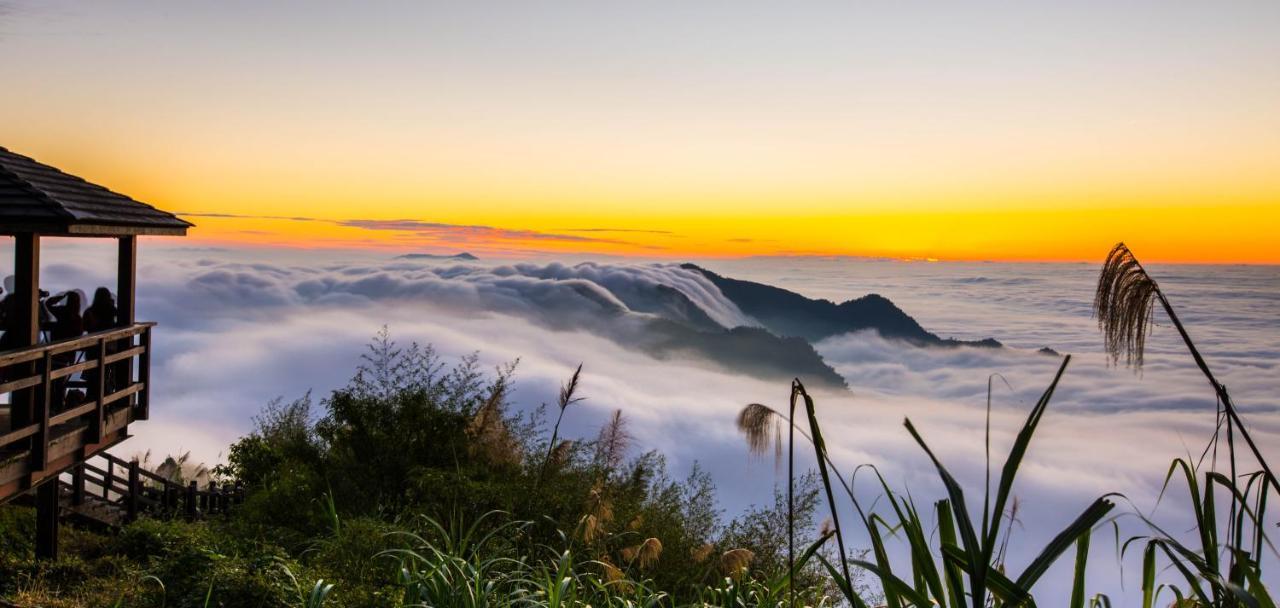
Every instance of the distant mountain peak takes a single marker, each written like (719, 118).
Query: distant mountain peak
(464, 256)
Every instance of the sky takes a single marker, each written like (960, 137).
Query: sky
(953, 131)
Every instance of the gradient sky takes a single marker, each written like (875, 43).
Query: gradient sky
(918, 130)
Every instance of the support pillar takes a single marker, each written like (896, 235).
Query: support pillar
(47, 519)
(126, 295)
(126, 280)
(26, 326)
(26, 288)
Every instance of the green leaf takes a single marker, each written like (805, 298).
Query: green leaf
(1078, 528)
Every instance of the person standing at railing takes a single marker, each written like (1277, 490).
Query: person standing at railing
(8, 335)
(67, 324)
(101, 316)
(8, 340)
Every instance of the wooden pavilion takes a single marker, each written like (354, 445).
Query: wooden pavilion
(42, 433)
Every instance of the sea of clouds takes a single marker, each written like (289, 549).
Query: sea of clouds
(240, 327)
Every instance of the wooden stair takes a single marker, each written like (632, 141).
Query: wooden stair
(107, 492)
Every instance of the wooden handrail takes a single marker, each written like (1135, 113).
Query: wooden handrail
(34, 353)
(47, 369)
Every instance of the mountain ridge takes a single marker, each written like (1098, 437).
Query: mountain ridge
(789, 314)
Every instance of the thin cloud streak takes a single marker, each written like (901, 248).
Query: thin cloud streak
(459, 234)
(471, 231)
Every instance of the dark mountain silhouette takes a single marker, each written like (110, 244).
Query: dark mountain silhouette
(749, 350)
(787, 313)
(677, 326)
(464, 256)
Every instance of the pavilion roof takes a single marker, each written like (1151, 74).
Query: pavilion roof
(38, 198)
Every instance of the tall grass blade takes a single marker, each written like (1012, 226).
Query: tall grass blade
(1149, 591)
(975, 564)
(1001, 587)
(1078, 529)
(1078, 575)
(820, 447)
(1016, 454)
(947, 537)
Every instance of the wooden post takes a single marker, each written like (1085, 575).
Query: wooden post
(135, 488)
(23, 411)
(96, 426)
(143, 411)
(110, 479)
(43, 401)
(26, 291)
(126, 280)
(191, 501)
(224, 498)
(77, 485)
(211, 496)
(47, 519)
(126, 295)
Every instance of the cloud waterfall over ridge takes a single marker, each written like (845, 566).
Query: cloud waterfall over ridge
(548, 292)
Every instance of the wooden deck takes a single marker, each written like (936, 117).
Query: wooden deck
(41, 433)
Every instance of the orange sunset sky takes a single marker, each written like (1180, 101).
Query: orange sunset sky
(981, 131)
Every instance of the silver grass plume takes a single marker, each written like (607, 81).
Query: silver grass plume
(702, 552)
(567, 390)
(735, 562)
(644, 554)
(1124, 305)
(613, 441)
(762, 427)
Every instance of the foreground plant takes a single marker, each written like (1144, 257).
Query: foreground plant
(1218, 570)
(963, 568)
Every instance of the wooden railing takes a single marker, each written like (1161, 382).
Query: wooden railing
(133, 490)
(45, 397)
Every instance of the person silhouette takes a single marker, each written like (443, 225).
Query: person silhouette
(67, 323)
(8, 333)
(67, 320)
(9, 337)
(101, 316)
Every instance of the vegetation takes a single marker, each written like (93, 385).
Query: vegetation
(415, 485)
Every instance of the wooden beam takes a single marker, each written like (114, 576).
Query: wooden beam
(88, 230)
